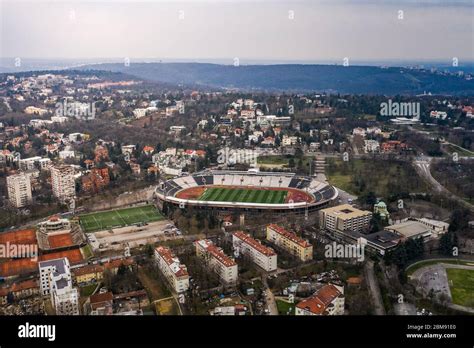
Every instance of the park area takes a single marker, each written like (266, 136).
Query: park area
(360, 176)
(119, 218)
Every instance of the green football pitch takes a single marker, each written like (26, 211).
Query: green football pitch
(118, 218)
(461, 283)
(220, 194)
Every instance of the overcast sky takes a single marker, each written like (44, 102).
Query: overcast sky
(307, 30)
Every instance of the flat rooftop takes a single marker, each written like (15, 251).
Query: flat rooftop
(409, 228)
(345, 211)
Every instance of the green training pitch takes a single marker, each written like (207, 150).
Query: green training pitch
(118, 218)
(461, 284)
(220, 194)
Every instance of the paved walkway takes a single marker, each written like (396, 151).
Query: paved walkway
(374, 288)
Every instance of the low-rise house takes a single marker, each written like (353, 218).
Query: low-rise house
(19, 290)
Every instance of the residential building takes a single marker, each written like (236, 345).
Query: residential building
(78, 137)
(359, 131)
(371, 146)
(29, 163)
(19, 190)
(290, 242)
(262, 256)
(328, 300)
(139, 113)
(177, 129)
(128, 149)
(19, 290)
(101, 303)
(373, 130)
(273, 120)
(237, 309)
(96, 180)
(88, 274)
(344, 217)
(65, 154)
(289, 140)
(56, 281)
(60, 266)
(33, 110)
(438, 115)
(247, 114)
(175, 272)
(63, 182)
(217, 261)
(393, 145)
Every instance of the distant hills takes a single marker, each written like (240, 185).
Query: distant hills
(297, 78)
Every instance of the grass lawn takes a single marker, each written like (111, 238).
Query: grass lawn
(88, 290)
(118, 218)
(275, 159)
(461, 283)
(460, 150)
(87, 252)
(282, 161)
(154, 287)
(284, 307)
(221, 194)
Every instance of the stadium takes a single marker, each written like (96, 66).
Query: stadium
(259, 191)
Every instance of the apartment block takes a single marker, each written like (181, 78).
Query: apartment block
(225, 267)
(63, 182)
(19, 190)
(176, 273)
(290, 242)
(262, 256)
(56, 281)
(328, 300)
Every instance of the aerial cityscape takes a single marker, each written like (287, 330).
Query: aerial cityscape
(205, 173)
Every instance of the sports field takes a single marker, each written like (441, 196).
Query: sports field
(119, 218)
(222, 194)
(461, 283)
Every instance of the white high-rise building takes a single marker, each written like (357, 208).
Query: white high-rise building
(62, 180)
(19, 190)
(56, 281)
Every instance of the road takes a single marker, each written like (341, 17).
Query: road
(269, 298)
(422, 166)
(374, 288)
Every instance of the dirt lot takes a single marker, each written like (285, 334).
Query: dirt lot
(133, 235)
(434, 278)
(167, 306)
